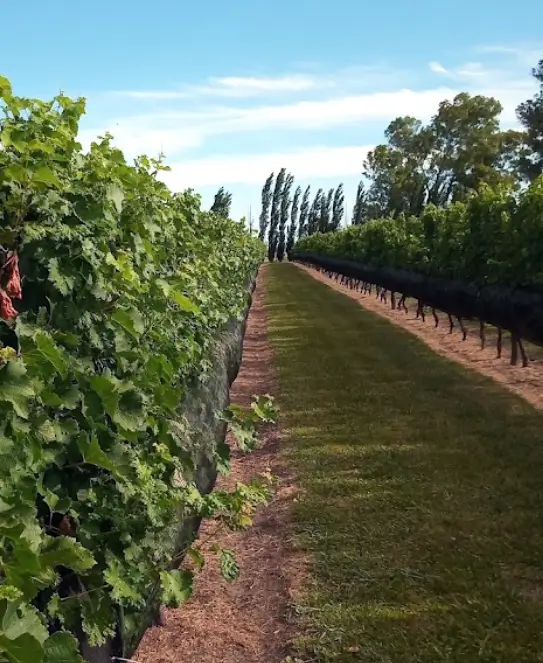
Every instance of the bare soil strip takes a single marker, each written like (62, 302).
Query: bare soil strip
(248, 619)
(526, 382)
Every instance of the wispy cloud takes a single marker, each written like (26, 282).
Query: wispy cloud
(229, 86)
(293, 83)
(308, 107)
(437, 68)
(187, 129)
(254, 168)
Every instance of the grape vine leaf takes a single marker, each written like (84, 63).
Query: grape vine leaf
(15, 387)
(67, 552)
(177, 587)
(61, 648)
(130, 320)
(52, 353)
(24, 649)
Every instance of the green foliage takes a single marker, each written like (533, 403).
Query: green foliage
(273, 235)
(325, 211)
(359, 209)
(244, 425)
(304, 213)
(314, 216)
(265, 211)
(530, 114)
(494, 237)
(284, 216)
(125, 288)
(338, 208)
(293, 226)
(440, 163)
(222, 203)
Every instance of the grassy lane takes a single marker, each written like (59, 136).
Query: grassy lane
(422, 489)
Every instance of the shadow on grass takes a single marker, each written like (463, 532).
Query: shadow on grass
(422, 496)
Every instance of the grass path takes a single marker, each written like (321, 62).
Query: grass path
(421, 489)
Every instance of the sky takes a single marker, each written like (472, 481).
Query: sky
(231, 91)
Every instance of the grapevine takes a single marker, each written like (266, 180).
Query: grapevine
(477, 259)
(112, 293)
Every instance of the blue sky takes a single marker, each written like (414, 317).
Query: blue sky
(231, 91)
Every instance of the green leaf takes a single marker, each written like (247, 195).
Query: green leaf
(17, 620)
(177, 587)
(25, 649)
(228, 565)
(130, 320)
(5, 87)
(45, 175)
(98, 617)
(63, 283)
(15, 173)
(93, 454)
(130, 414)
(108, 392)
(116, 195)
(15, 387)
(61, 648)
(51, 352)
(197, 557)
(183, 302)
(67, 552)
(121, 590)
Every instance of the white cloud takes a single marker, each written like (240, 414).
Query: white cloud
(228, 86)
(254, 168)
(437, 68)
(251, 84)
(175, 131)
(298, 108)
(472, 69)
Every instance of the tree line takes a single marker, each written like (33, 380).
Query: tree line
(460, 149)
(285, 218)
(439, 163)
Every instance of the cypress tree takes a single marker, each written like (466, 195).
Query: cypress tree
(293, 220)
(338, 208)
(315, 213)
(359, 205)
(326, 210)
(265, 211)
(222, 202)
(275, 214)
(304, 213)
(284, 217)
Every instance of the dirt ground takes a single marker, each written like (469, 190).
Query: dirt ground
(526, 382)
(248, 619)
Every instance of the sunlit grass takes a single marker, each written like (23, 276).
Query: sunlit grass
(422, 490)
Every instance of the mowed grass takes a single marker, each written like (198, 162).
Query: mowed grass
(421, 500)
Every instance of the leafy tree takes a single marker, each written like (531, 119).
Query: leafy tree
(442, 162)
(326, 211)
(359, 209)
(266, 204)
(285, 214)
(304, 213)
(222, 203)
(313, 220)
(293, 219)
(273, 237)
(338, 208)
(530, 114)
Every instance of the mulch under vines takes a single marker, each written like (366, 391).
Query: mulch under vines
(247, 619)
